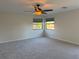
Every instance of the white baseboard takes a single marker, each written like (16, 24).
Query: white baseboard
(65, 41)
(41, 36)
(18, 40)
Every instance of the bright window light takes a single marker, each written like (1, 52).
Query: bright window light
(37, 23)
(50, 23)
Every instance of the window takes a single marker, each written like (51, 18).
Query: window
(37, 23)
(50, 23)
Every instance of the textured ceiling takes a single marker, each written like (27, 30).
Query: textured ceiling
(19, 6)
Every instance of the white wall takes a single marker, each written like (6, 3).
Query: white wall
(16, 27)
(67, 26)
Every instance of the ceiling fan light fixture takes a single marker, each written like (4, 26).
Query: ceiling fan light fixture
(38, 13)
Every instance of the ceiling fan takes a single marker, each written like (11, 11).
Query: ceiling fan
(39, 11)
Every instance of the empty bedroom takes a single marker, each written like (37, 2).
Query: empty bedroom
(39, 29)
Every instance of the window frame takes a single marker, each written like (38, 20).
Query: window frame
(51, 23)
(37, 22)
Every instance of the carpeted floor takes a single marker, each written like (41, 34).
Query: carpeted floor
(39, 48)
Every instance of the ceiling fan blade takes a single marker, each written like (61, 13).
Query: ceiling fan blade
(48, 10)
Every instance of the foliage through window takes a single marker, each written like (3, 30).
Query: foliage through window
(37, 23)
(50, 23)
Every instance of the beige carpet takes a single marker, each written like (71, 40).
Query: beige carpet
(39, 48)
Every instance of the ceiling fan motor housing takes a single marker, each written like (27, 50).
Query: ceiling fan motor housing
(38, 5)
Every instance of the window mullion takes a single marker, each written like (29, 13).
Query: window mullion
(44, 23)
